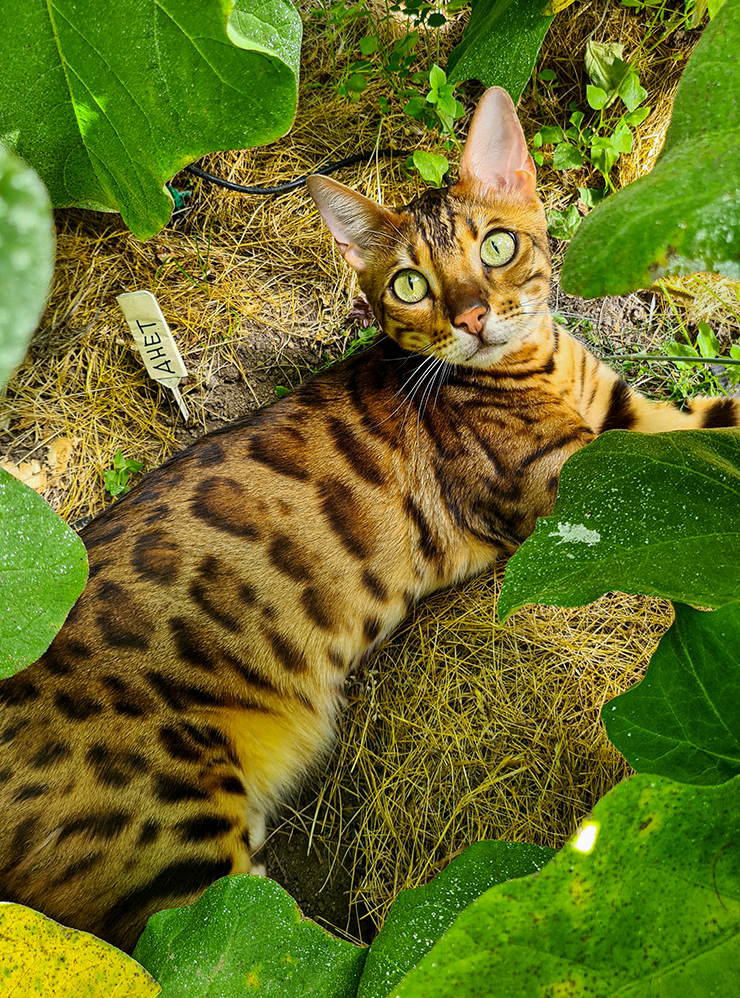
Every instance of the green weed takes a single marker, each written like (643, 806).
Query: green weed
(424, 94)
(116, 479)
(600, 141)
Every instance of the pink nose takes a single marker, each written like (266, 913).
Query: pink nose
(472, 320)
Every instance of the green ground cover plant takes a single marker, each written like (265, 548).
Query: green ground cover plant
(499, 47)
(408, 64)
(707, 348)
(617, 96)
(603, 142)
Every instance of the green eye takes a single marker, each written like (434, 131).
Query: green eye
(498, 248)
(410, 286)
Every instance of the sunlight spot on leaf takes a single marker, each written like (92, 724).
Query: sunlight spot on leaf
(575, 533)
(585, 840)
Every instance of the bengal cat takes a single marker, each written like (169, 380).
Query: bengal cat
(201, 671)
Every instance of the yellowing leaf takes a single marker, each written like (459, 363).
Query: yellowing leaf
(40, 957)
(604, 64)
(555, 6)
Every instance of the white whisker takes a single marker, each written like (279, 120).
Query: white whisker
(427, 394)
(419, 373)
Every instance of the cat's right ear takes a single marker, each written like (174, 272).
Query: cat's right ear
(352, 219)
(495, 153)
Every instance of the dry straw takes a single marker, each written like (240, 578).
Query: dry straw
(463, 728)
(460, 728)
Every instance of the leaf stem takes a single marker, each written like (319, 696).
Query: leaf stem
(664, 358)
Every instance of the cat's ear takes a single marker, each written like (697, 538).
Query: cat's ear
(352, 219)
(495, 153)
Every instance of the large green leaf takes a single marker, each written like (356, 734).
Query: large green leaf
(108, 99)
(26, 257)
(683, 719)
(684, 216)
(500, 44)
(649, 907)
(43, 568)
(246, 935)
(656, 514)
(419, 917)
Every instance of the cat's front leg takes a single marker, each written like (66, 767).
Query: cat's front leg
(606, 402)
(625, 409)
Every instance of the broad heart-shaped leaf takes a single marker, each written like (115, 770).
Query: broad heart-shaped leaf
(43, 568)
(640, 513)
(604, 64)
(683, 719)
(650, 906)
(684, 216)
(40, 957)
(431, 166)
(500, 44)
(108, 99)
(26, 257)
(247, 935)
(420, 916)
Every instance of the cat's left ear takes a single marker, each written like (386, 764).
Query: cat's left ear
(352, 219)
(496, 153)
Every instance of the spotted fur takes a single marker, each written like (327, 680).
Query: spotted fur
(201, 671)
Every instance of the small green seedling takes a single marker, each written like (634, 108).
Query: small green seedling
(439, 109)
(562, 224)
(116, 479)
(363, 339)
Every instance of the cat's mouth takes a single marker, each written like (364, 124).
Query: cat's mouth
(489, 338)
(486, 348)
(486, 353)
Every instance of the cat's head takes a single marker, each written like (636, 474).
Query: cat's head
(462, 272)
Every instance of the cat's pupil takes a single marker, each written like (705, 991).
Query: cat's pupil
(498, 248)
(410, 286)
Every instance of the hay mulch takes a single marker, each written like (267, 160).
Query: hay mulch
(459, 728)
